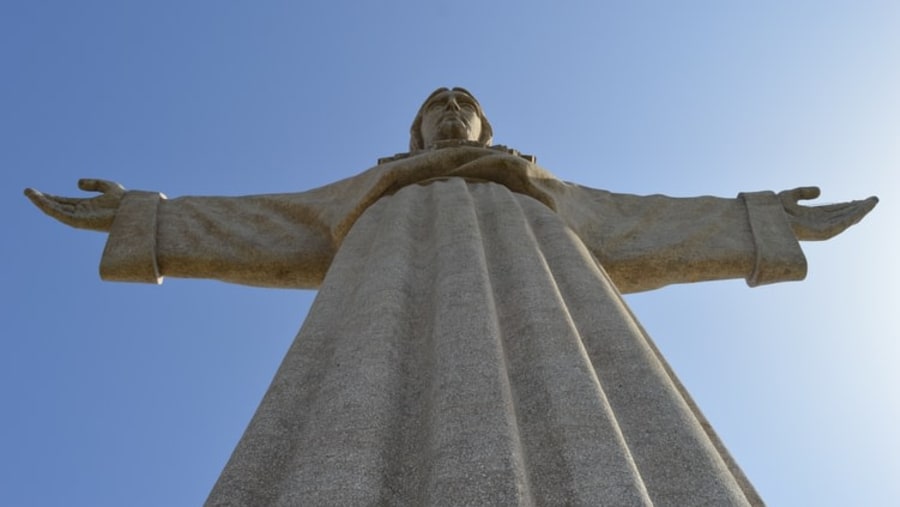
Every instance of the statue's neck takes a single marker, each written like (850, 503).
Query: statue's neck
(456, 143)
(452, 143)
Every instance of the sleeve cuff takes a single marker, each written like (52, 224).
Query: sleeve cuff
(778, 255)
(130, 252)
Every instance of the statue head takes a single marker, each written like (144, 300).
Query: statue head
(449, 114)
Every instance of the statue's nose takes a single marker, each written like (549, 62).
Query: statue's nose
(452, 104)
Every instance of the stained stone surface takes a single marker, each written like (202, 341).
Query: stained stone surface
(469, 344)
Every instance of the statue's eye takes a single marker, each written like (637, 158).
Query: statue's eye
(435, 104)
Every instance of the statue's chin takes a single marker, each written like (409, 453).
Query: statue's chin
(454, 129)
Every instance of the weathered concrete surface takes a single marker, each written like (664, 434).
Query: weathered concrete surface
(469, 345)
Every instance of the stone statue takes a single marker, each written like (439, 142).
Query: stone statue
(469, 344)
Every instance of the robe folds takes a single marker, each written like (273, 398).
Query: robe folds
(469, 344)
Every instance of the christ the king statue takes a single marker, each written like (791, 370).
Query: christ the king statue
(469, 344)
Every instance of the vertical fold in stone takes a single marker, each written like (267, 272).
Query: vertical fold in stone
(472, 452)
(677, 460)
(325, 429)
(575, 451)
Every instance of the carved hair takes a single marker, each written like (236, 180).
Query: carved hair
(416, 142)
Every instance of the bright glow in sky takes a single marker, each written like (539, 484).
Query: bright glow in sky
(120, 394)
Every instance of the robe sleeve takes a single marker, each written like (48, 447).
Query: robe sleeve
(276, 240)
(645, 242)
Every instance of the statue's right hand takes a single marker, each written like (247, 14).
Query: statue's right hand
(95, 213)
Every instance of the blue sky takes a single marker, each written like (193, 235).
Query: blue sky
(121, 394)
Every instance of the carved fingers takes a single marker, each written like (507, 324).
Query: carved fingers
(95, 213)
(104, 186)
(815, 223)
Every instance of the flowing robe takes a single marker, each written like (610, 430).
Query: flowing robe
(469, 344)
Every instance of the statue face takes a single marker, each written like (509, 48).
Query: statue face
(450, 115)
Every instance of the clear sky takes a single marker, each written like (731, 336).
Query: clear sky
(120, 394)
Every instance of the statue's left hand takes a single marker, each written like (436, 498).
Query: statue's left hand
(814, 223)
(95, 213)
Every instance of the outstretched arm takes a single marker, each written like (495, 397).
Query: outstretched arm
(277, 240)
(645, 242)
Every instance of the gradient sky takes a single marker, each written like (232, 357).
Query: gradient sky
(120, 394)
